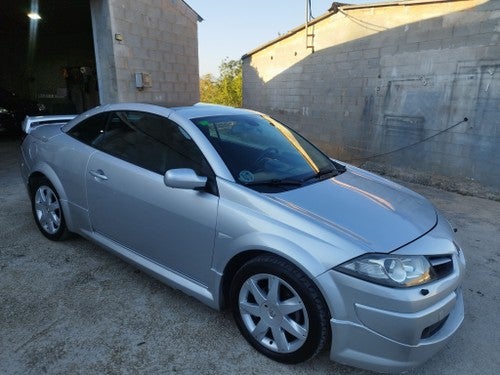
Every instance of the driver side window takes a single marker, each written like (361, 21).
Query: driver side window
(149, 141)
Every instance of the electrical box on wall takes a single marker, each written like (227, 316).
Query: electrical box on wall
(143, 80)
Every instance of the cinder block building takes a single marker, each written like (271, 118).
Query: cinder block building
(146, 50)
(391, 84)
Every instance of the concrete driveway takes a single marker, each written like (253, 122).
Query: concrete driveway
(72, 308)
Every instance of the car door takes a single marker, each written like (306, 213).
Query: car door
(129, 203)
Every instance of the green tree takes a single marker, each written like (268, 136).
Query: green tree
(227, 88)
(208, 89)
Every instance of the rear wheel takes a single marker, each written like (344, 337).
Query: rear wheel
(279, 310)
(47, 210)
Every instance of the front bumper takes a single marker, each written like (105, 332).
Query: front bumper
(358, 345)
(389, 329)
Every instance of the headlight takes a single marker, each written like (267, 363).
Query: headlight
(390, 270)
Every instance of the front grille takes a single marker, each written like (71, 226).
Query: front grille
(432, 329)
(441, 265)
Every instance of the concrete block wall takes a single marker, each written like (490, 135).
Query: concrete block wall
(384, 77)
(159, 38)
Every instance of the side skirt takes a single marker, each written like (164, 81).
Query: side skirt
(165, 275)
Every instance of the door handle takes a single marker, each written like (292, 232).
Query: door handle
(99, 174)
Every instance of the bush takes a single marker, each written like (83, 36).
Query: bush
(227, 88)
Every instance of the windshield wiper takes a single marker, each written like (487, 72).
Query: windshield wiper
(276, 182)
(323, 174)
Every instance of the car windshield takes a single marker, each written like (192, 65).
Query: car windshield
(265, 154)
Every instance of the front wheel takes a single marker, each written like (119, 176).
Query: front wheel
(47, 210)
(279, 310)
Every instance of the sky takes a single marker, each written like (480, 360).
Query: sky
(232, 28)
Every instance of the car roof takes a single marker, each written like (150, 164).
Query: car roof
(205, 109)
(187, 112)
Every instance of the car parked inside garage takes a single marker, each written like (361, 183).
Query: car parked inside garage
(14, 109)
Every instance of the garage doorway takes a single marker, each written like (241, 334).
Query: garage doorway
(50, 60)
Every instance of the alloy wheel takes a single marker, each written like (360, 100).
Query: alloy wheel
(273, 313)
(47, 209)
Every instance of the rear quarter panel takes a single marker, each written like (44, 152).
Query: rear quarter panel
(62, 160)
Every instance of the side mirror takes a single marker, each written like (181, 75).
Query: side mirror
(184, 178)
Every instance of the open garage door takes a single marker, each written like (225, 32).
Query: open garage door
(49, 60)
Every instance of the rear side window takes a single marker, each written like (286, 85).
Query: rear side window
(90, 129)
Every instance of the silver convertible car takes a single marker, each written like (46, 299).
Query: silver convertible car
(238, 210)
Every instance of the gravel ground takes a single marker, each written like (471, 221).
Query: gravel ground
(72, 308)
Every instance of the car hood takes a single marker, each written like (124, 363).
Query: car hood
(380, 215)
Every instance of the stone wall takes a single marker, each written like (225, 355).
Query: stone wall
(389, 77)
(155, 37)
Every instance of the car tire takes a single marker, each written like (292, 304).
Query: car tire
(47, 210)
(279, 310)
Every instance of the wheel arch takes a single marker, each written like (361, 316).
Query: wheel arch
(44, 171)
(234, 264)
(32, 180)
(275, 246)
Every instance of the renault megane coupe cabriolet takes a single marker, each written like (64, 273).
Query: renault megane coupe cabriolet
(240, 211)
